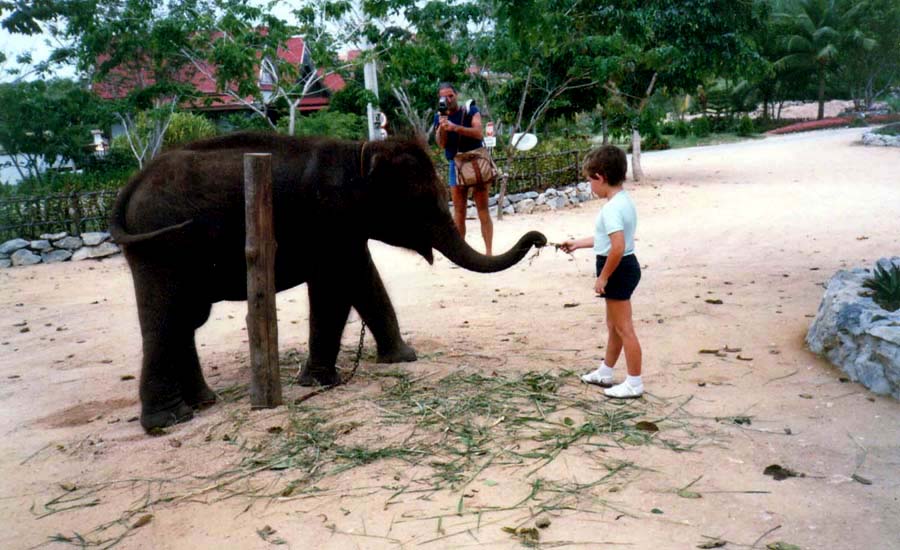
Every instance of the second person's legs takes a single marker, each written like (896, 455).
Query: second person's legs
(481, 197)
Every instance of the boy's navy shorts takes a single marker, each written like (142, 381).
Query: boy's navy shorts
(624, 279)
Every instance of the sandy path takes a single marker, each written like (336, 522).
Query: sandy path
(760, 225)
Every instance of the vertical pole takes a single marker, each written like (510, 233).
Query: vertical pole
(262, 323)
(370, 79)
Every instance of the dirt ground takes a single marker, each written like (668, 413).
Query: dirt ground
(760, 225)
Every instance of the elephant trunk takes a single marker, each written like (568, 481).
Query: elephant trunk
(449, 243)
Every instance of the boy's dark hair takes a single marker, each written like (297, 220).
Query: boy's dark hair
(447, 85)
(608, 161)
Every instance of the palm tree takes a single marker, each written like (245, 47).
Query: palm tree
(811, 34)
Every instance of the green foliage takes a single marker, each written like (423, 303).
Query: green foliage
(889, 130)
(682, 130)
(187, 127)
(654, 143)
(893, 103)
(238, 122)
(885, 286)
(328, 123)
(49, 121)
(745, 127)
(700, 127)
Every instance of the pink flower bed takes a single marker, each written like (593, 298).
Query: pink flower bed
(832, 122)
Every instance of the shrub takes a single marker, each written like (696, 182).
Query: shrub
(885, 286)
(893, 103)
(700, 127)
(327, 123)
(745, 127)
(186, 127)
(668, 128)
(889, 130)
(682, 130)
(654, 143)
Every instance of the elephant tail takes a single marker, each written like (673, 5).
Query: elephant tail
(117, 220)
(121, 236)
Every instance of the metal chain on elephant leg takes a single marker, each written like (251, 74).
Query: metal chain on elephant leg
(359, 350)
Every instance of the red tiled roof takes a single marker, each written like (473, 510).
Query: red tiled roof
(123, 79)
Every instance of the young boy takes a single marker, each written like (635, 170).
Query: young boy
(618, 271)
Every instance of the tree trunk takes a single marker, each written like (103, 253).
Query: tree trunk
(821, 95)
(636, 170)
(604, 124)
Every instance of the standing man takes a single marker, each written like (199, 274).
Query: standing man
(458, 131)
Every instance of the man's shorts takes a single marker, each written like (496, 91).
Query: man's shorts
(623, 280)
(451, 177)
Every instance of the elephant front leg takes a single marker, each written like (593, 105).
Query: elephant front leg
(328, 312)
(373, 304)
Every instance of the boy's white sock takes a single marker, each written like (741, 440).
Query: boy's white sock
(605, 370)
(634, 381)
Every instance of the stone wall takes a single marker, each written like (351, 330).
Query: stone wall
(880, 140)
(856, 334)
(56, 247)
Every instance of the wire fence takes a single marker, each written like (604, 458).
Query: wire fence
(74, 213)
(539, 171)
(81, 212)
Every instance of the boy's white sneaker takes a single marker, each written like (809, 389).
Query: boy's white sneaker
(624, 391)
(599, 377)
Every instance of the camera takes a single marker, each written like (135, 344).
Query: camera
(443, 108)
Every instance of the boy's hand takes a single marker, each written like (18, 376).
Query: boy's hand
(600, 285)
(568, 246)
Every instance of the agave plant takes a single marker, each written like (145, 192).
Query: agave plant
(885, 286)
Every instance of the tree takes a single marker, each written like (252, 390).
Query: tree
(814, 32)
(130, 49)
(47, 123)
(673, 45)
(245, 49)
(869, 59)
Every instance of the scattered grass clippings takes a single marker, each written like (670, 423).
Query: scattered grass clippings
(860, 479)
(712, 544)
(782, 546)
(453, 430)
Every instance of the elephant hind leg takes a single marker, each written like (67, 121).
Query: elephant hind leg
(194, 389)
(169, 311)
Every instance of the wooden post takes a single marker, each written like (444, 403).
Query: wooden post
(262, 323)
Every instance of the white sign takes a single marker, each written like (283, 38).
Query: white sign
(490, 141)
(489, 129)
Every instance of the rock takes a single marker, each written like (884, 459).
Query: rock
(509, 210)
(541, 199)
(101, 251)
(585, 196)
(69, 243)
(525, 206)
(11, 246)
(94, 238)
(54, 236)
(880, 140)
(551, 193)
(4, 263)
(531, 195)
(24, 257)
(584, 187)
(858, 335)
(541, 208)
(40, 245)
(55, 256)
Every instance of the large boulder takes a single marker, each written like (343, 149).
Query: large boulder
(23, 256)
(11, 246)
(858, 335)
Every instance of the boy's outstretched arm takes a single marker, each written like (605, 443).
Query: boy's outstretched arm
(572, 245)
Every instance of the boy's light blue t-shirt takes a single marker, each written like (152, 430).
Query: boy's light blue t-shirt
(618, 214)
